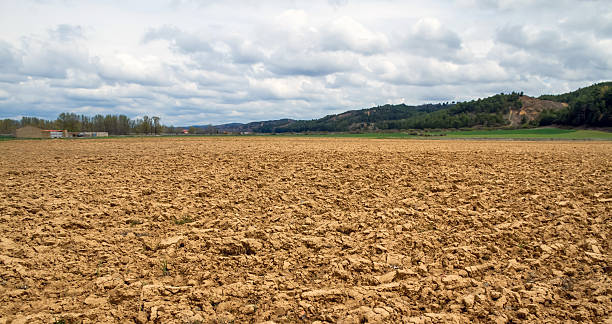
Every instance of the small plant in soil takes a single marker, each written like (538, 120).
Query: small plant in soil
(134, 222)
(183, 220)
(164, 268)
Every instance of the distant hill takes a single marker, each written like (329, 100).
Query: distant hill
(347, 121)
(490, 112)
(591, 106)
(364, 119)
(267, 126)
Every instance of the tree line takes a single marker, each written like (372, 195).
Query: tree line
(113, 124)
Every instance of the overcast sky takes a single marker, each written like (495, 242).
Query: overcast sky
(203, 61)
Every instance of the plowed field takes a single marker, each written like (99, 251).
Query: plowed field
(235, 229)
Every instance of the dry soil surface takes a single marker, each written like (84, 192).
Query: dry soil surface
(201, 230)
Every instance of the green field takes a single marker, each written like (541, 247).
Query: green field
(534, 133)
(6, 138)
(542, 133)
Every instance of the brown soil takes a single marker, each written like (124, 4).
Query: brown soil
(531, 109)
(198, 230)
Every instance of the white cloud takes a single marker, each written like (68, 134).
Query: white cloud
(125, 68)
(311, 63)
(179, 40)
(428, 37)
(49, 59)
(66, 33)
(10, 61)
(553, 53)
(347, 34)
(273, 89)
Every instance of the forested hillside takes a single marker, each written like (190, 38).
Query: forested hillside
(483, 112)
(356, 119)
(486, 112)
(591, 106)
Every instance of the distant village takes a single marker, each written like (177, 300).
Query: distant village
(35, 132)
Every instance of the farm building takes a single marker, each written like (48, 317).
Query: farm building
(35, 132)
(87, 134)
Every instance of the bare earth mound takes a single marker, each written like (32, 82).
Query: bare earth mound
(167, 230)
(531, 109)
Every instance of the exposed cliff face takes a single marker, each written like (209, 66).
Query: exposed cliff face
(531, 109)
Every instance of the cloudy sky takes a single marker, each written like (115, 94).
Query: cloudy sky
(205, 61)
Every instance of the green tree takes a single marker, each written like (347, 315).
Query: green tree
(156, 125)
